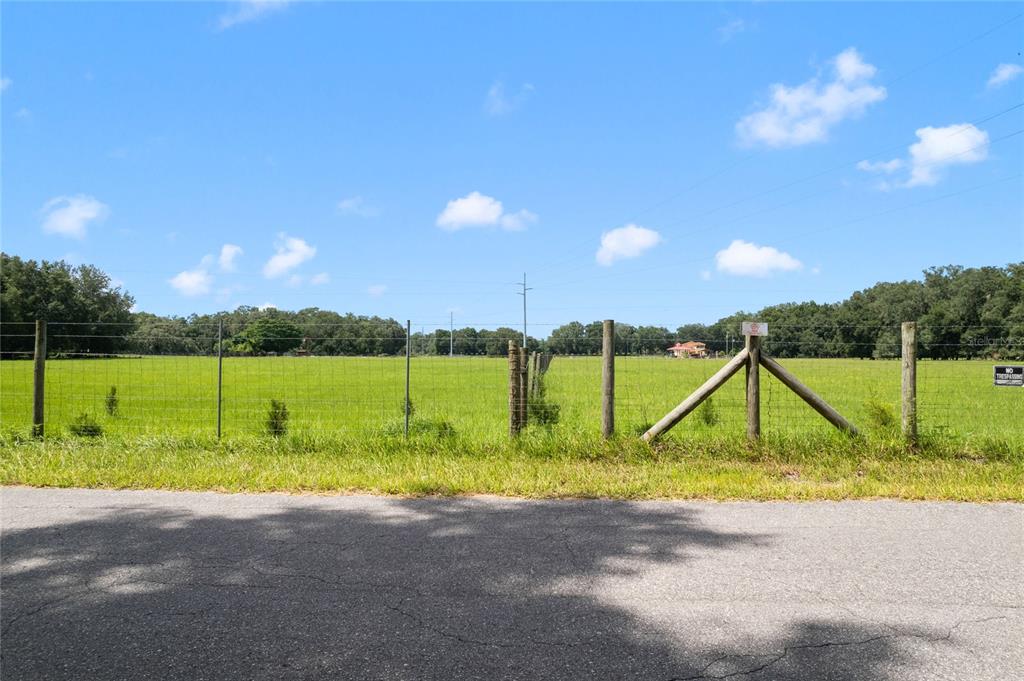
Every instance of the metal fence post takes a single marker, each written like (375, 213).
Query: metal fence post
(608, 378)
(408, 357)
(220, 371)
(909, 383)
(39, 379)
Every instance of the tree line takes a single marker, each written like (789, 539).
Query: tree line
(961, 312)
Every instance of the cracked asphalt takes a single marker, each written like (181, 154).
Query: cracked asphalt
(171, 585)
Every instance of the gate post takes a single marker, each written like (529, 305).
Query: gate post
(39, 379)
(753, 387)
(909, 383)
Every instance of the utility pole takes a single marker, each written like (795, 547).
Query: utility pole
(523, 294)
(451, 334)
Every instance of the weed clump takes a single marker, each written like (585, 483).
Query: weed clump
(707, 412)
(111, 402)
(84, 425)
(880, 415)
(277, 419)
(538, 409)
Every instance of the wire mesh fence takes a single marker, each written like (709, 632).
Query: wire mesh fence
(340, 379)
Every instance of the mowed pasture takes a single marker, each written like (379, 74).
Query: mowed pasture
(169, 395)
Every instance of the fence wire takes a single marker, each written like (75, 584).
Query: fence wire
(337, 378)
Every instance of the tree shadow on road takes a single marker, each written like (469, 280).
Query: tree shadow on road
(411, 589)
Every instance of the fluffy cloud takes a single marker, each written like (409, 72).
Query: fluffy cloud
(477, 210)
(290, 253)
(191, 283)
(5, 83)
(498, 103)
(630, 241)
(228, 254)
(1003, 74)
(377, 290)
(941, 147)
(887, 167)
(355, 205)
(249, 10)
(70, 215)
(515, 222)
(320, 279)
(805, 113)
(745, 259)
(935, 149)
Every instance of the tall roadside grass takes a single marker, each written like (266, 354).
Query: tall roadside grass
(537, 464)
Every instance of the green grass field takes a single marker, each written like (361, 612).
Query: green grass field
(360, 396)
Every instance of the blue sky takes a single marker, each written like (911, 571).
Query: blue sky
(656, 163)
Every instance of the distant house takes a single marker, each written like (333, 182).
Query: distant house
(689, 349)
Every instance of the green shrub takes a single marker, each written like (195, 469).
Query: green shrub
(438, 427)
(277, 419)
(112, 401)
(707, 412)
(538, 409)
(85, 425)
(880, 415)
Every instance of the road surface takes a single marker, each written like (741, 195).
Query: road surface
(164, 585)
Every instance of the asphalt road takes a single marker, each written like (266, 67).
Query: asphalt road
(158, 585)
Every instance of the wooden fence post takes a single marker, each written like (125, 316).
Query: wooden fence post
(514, 386)
(39, 379)
(909, 383)
(753, 387)
(524, 386)
(608, 378)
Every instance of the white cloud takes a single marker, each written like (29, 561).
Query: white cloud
(630, 241)
(1003, 74)
(377, 290)
(191, 283)
(515, 222)
(935, 149)
(355, 205)
(320, 279)
(746, 259)
(731, 29)
(266, 306)
(941, 147)
(291, 252)
(887, 167)
(249, 10)
(70, 215)
(498, 103)
(295, 281)
(805, 113)
(5, 83)
(228, 254)
(478, 210)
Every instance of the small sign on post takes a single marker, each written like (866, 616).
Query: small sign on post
(1012, 376)
(755, 329)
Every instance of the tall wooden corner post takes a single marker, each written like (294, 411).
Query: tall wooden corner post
(752, 358)
(753, 347)
(39, 379)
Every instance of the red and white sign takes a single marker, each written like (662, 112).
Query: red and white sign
(755, 329)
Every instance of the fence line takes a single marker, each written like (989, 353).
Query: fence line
(203, 384)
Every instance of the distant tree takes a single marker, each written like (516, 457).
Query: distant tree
(87, 311)
(266, 335)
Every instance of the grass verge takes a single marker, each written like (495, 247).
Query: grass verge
(536, 465)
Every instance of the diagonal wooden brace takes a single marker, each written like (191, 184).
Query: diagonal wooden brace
(699, 395)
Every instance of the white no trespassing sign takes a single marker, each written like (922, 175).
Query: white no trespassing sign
(1009, 376)
(755, 329)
